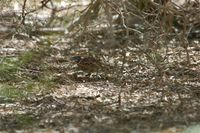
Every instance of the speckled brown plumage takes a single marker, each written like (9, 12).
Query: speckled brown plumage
(87, 64)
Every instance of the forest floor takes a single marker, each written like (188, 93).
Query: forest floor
(42, 90)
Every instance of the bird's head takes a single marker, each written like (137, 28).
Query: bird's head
(76, 59)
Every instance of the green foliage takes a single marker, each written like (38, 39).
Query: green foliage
(8, 69)
(27, 57)
(30, 56)
(17, 74)
(10, 91)
(157, 57)
(24, 120)
(44, 85)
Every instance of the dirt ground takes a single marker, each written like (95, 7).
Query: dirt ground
(55, 94)
(147, 80)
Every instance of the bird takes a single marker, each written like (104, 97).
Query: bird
(87, 64)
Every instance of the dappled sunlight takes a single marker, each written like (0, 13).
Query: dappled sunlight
(99, 66)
